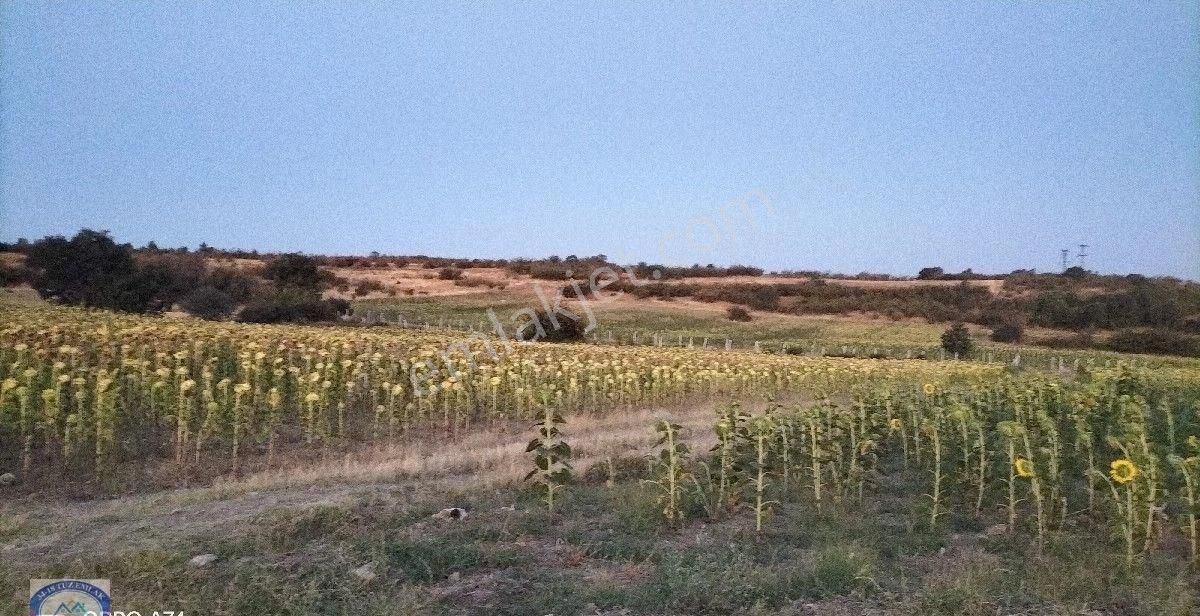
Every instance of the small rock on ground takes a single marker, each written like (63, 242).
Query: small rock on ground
(365, 573)
(202, 560)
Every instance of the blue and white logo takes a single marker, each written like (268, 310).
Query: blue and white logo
(69, 598)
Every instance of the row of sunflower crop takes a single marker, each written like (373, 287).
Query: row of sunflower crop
(1119, 447)
(81, 389)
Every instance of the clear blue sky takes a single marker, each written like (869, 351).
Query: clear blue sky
(884, 136)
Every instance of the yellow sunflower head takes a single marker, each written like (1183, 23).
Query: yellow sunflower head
(1123, 470)
(1023, 467)
(929, 389)
(894, 425)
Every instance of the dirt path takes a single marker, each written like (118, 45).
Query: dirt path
(480, 458)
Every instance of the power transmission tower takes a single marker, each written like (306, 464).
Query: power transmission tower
(1065, 252)
(1082, 255)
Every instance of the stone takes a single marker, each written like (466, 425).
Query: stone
(452, 513)
(7, 479)
(202, 560)
(365, 573)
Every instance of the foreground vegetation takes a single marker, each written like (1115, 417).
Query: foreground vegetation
(608, 550)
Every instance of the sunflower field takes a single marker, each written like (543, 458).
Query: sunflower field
(82, 389)
(1116, 448)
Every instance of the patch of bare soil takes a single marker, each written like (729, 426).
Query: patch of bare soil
(413, 279)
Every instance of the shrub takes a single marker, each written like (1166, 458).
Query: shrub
(1082, 340)
(11, 275)
(1008, 332)
(472, 281)
(1009, 328)
(548, 271)
(1075, 272)
(765, 297)
(450, 273)
(208, 303)
(566, 329)
(294, 270)
(366, 286)
(568, 291)
(1156, 341)
(957, 340)
(290, 306)
(737, 313)
(85, 269)
(239, 285)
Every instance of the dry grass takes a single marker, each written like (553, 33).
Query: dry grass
(485, 457)
(426, 460)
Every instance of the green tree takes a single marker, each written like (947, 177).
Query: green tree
(957, 340)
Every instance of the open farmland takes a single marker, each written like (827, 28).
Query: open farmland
(599, 309)
(835, 484)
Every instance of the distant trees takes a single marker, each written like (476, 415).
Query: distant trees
(1075, 272)
(91, 269)
(1143, 303)
(930, 273)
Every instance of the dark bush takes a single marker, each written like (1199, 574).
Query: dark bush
(340, 306)
(931, 273)
(957, 340)
(366, 286)
(1008, 328)
(1008, 332)
(1082, 340)
(763, 297)
(294, 270)
(549, 271)
(238, 285)
(85, 269)
(1075, 272)
(291, 306)
(1155, 341)
(450, 273)
(737, 313)
(12, 275)
(551, 328)
(208, 303)
(568, 290)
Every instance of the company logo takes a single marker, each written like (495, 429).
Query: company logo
(69, 597)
